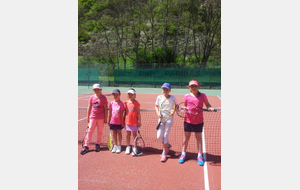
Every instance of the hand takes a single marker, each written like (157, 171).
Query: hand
(211, 109)
(105, 120)
(139, 124)
(88, 120)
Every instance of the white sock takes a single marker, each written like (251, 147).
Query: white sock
(164, 153)
(183, 153)
(199, 155)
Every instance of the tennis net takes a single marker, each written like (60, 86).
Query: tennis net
(211, 133)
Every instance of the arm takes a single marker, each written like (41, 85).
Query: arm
(122, 118)
(89, 112)
(139, 117)
(157, 111)
(208, 106)
(105, 113)
(109, 115)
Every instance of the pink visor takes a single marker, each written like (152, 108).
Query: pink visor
(193, 82)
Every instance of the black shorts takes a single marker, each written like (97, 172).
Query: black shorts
(115, 127)
(198, 128)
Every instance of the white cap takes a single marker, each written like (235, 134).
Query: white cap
(115, 91)
(97, 86)
(131, 92)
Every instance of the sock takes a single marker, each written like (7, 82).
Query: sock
(199, 155)
(183, 153)
(164, 153)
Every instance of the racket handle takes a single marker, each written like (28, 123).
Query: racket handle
(207, 110)
(158, 126)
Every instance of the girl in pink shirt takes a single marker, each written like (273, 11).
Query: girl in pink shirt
(115, 120)
(96, 117)
(194, 124)
(132, 118)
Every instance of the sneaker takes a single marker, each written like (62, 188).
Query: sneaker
(119, 149)
(84, 150)
(114, 149)
(133, 150)
(127, 150)
(163, 158)
(200, 161)
(97, 148)
(181, 159)
(169, 147)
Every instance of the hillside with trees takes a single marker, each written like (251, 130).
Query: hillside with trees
(142, 33)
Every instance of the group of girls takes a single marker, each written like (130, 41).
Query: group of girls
(98, 110)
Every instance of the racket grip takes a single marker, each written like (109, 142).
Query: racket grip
(207, 110)
(158, 126)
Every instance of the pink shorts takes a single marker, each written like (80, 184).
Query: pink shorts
(131, 127)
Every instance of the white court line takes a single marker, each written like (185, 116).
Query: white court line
(82, 119)
(206, 183)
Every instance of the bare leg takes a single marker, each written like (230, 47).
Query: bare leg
(199, 142)
(119, 137)
(134, 133)
(114, 135)
(128, 133)
(187, 136)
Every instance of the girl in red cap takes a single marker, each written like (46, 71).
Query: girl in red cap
(194, 124)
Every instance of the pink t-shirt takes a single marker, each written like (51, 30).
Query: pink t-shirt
(116, 109)
(97, 111)
(199, 102)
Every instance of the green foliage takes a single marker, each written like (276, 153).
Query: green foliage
(89, 25)
(87, 3)
(83, 36)
(97, 16)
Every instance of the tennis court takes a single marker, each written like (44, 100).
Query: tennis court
(105, 170)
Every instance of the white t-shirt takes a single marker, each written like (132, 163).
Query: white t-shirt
(159, 101)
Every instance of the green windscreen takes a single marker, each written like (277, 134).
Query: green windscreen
(88, 75)
(179, 76)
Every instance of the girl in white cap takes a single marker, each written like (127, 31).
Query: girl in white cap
(194, 124)
(165, 127)
(96, 117)
(116, 121)
(132, 118)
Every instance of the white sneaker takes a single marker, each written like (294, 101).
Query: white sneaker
(119, 149)
(127, 150)
(114, 149)
(134, 150)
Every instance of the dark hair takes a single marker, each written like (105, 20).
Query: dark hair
(118, 91)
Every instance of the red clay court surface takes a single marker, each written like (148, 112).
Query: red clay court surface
(106, 170)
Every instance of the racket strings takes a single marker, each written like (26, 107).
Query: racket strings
(167, 108)
(187, 111)
(139, 145)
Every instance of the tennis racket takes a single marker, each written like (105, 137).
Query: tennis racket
(139, 144)
(110, 141)
(85, 136)
(166, 109)
(189, 109)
